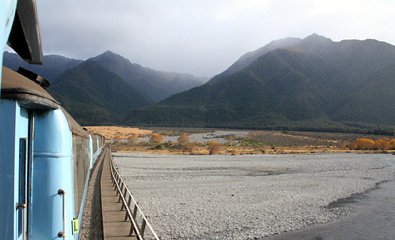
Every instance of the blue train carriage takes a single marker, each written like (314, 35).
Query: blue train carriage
(45, 163)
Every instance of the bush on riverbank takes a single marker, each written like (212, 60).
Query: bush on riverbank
(371, 144)
(156, 138)
(214, 147)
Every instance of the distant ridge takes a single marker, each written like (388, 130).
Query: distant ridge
(103, 89)
(94, 95)
(312, 84)
(53, 66)
(250, 57)
(155, 84)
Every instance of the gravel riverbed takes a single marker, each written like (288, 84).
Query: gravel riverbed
(249, 196)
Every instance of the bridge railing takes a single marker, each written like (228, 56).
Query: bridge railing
(140, 227)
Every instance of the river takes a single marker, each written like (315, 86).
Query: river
(259, 196)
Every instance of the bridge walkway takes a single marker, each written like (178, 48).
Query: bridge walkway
(115, 226)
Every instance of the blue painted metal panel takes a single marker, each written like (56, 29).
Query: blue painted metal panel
(7, 156)
(7, 14)
(52, 165)
(13, 126)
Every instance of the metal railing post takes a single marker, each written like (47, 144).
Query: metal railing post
(126, 215)
(143, 227)
(120, 192)
(134, 212)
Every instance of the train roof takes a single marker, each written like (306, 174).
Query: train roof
(34, 97)
(30, 94)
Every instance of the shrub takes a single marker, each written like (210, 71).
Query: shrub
(183, 139)
(190, 148)
(370, 144)
(363, 144)
(214, 147)
(392, 144)
(383, 144)
(156, 138)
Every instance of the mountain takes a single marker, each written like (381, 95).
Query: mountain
(250, 57)
(103, 89)
(156, 84)
(53, 65)
(311, 83)
(94, 95)
(373, 102)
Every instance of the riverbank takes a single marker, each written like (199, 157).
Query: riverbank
(234, 142)
(249, 196)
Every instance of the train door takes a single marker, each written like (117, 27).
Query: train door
(22, 174)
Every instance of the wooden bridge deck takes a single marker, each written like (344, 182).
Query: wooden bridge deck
(114, 224)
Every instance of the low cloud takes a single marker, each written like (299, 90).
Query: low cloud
(201, 37)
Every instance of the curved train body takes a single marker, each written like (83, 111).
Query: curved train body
(45, 163)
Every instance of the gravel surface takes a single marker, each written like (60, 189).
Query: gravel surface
(246, 197)
(372, 217)
(217, 135)
(92, 225)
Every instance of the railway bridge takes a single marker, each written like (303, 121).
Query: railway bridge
(111, 211)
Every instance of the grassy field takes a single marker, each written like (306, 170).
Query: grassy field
(229, 142)
(115, 132)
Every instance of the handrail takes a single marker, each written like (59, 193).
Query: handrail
(62, 234)
(125, 193)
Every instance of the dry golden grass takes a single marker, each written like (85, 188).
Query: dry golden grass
(133, 138)
(114, 132)
(234, 152)
(238, 150)
(126, 140)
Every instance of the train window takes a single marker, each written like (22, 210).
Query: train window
(22, 174)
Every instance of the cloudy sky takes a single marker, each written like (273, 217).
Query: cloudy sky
(202, 37)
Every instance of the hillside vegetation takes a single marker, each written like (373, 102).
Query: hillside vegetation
(309, 84)
(94, 95)
(105, 88)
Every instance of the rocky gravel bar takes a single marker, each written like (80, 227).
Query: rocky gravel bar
(249, 196)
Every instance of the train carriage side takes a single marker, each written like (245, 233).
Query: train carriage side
(45, 163)
(82, 159)
(97, 144)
